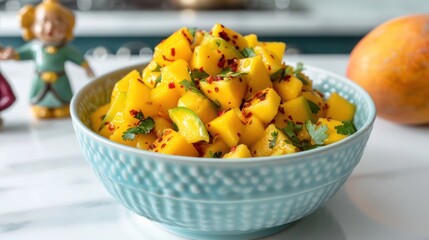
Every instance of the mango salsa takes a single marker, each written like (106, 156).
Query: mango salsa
(219, 94)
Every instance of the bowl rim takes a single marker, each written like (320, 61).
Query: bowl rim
(185, 159)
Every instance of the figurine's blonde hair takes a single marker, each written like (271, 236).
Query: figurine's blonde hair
(27, 16)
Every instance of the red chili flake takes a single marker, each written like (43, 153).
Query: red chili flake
(222, 61)
(166, 59)
(251, 121)
(235, 36)
(209, 91)
(209, 79)
(146, 143)
(271, 55)
(201, 69)
(269, 67)
(218, 78)
(281, 110)
(186, 36)
(326, 106)
(234, 42)
(236, 47)
(240, 79)
(163, 145)
(249, 114)
(171, 85)
(216, 89)
(224, 35)
(290, 117)
(211, 32)
(229, 103)
(151, 146)
(173, 52)
(133, 112)
(111, 126)
(250, 89)
(263, 96)
(169, 138)
(254, 152)
(220, 113)
(208, 56)
(156, 150)
(299, 123)
(218, 51)
(208, 125)
(287, 78)
(141, 81)
(233, 148)
(222, 26)
(238, 134)
(233, 64)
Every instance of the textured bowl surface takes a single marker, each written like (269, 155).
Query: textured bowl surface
(216, 198)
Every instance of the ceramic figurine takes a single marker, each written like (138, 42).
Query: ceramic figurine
(6, 95)
(49, 26)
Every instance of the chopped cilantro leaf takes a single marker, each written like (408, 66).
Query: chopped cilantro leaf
(197, 74)
(144, 126)
(188, 85)
(299, 68)
(313, 106)
(317, 133)
(157, 69)
(290, 130)
(227, 72)
(217, 154)
(158, 80)
(278, 75)
(347, 128)
(192, 31)
(273, 141)
(248, 52)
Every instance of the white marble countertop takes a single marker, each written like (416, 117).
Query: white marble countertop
(48, 192)
(322, 17)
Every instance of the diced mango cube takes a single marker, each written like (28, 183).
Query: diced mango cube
(228, 127)
(276, 47)
(316, 103)
(160, 125)
(206, 59)
(339, 108)
(151, 73)
(263, 104)
(97, 118)
(296, 110)
(173, 143)
(228, 92)
(257, 78)
(273, 142)
(271, 61)
(333, 136)
(252, 40)
(123, 84)
(215, 149)
(164, 97)
(175, 73)
(138, 98)
(230, 36)
(199, 104)
(288, 88)
(253, 130)
(176, 46)
(240, 151)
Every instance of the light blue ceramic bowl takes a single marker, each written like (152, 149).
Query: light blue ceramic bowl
(215, 198)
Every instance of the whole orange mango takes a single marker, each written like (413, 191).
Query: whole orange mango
(392, 63)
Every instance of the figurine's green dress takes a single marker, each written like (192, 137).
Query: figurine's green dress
(50, 59)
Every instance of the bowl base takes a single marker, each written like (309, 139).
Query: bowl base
(233, 235)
